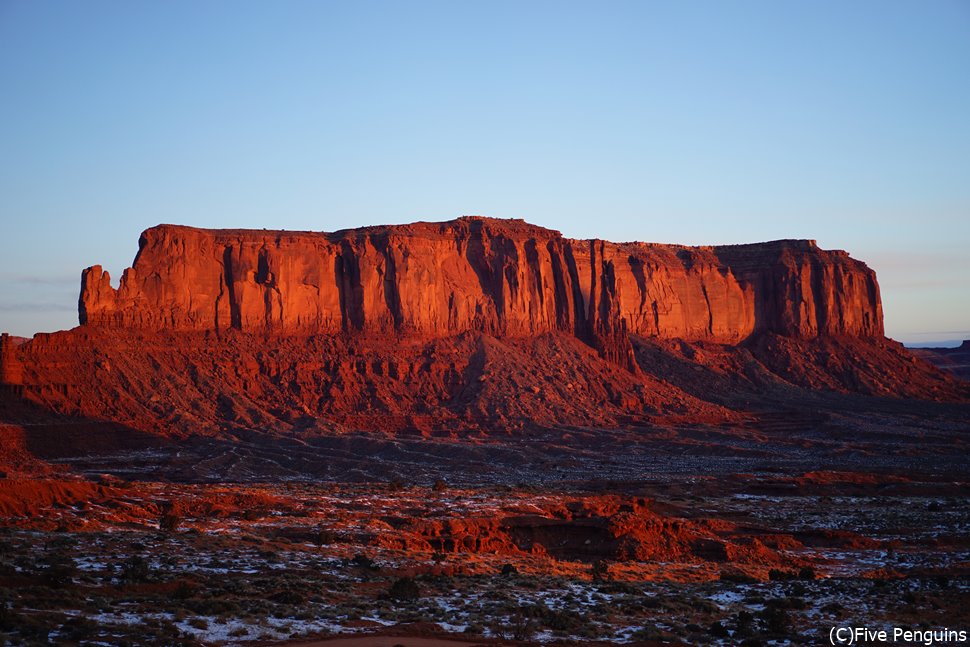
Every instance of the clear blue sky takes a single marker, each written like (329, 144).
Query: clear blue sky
(692, 122)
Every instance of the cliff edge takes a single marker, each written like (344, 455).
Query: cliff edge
(500, 277)
(468, 328)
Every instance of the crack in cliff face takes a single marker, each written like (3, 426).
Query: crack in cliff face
(392, 296)
(475, 274)
(507, 266)
(350, 287)
(579, 300)
(475, 254)
(710, 312)
(561, 286)
(819, 285)
(636, 267)
(226, 280)
(532, 261)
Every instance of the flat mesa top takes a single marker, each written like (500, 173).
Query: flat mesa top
(514, 227)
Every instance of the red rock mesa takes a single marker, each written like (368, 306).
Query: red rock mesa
(476, 323)
(478, 274)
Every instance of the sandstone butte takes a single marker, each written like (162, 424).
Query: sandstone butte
(475, 274)
(471, 319)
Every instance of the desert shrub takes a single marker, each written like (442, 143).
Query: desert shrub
(9, 619)
(736, 577)
(439, 486)
(651, 603)
(363, 561)
(702, 605)
(135, 569)
(718, 630)
(79, 628)
(324, 537)
(404, 588)
(213, 607)
(520, 626)
(778, 575)
(563, 621)
(650, 634)
(34, 626)
(169, 521)
(600, 570)
(509, 569)
(618, 587)
(806, 573)
(58, 570)
(289, 597)
(775, 619)
(185, 590)
(743, 624)
(553, 619)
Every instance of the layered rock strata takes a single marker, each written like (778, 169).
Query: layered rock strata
(11, 369)
(500, 277)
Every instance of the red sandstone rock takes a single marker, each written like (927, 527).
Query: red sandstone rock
(11, 369)
(478, 274)
(28, 496)
(470, 326)
(588, 529)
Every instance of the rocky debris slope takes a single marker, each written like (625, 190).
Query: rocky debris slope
(178, 383)
(186, 383)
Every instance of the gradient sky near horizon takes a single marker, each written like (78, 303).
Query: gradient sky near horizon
(689, 122)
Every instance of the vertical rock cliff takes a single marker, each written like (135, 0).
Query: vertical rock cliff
(501, 277)
(11, 369)
(471, 326)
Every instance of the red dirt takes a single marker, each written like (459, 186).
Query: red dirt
(25, 498)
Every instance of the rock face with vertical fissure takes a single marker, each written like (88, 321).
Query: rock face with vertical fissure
(501, 277)
(474, 325)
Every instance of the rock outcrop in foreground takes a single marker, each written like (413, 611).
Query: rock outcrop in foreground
(500, 277)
